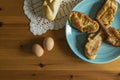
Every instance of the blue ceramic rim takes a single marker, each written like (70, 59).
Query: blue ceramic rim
(90, 61)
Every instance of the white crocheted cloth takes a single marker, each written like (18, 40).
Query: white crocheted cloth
(38, 24)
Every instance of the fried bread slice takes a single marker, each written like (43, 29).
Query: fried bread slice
(114, 38)
(83, 22)
(112, 35)
(92, 46)
(107, 12)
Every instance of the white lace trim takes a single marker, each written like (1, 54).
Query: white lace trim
(38, 24)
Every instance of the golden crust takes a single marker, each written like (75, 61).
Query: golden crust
(92, 46)
(83, 22)
(107, 12)
(114, 37)
(110, 34)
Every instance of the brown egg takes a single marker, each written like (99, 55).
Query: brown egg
(48, 43)
(37, 50)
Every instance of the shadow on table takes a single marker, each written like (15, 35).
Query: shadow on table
(26, 47)
(63, 45)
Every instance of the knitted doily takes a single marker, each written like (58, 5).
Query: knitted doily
(38, 24)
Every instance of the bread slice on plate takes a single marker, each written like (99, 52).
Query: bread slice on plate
(114, 37)
(107, 12)
(83, 22)
(93, 45)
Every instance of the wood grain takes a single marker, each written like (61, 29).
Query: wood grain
(17, 62)
(60, 75)
(12, 12)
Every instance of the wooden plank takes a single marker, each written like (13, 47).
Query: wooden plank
(17, 62)
(46, 63)
(16, 52)
(59, 75)
(12, 12)
(13, 20)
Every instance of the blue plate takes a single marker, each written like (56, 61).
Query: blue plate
(76, 39)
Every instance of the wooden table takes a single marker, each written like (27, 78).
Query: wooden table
(17, 62)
